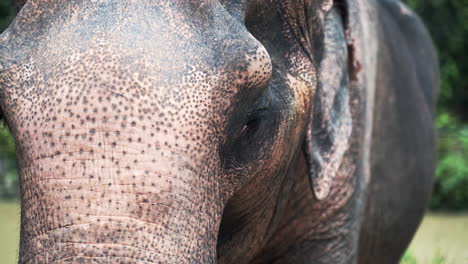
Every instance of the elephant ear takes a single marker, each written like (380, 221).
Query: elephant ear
(329, 128)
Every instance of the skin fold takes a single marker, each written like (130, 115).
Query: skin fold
(249, 131)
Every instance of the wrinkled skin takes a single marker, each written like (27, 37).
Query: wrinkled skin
(253, 131)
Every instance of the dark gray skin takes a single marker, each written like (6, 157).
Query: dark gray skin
(404, 118)
(219, 131)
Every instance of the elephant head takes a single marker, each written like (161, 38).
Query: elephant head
(184, 131)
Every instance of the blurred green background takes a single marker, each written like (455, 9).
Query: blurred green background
(443, 236)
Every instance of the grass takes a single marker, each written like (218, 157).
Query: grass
(409, 258)
(441, 239)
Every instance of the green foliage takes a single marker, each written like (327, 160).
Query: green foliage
(9, 184)
(7, 13)
(447, 22)
(408, 258)
(451, 187)
(7, 144)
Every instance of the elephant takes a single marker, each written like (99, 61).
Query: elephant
(224, 131)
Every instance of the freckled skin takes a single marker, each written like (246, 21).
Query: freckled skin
(173, 132)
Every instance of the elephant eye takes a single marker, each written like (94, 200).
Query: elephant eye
(252, 129)
(251, 140)
(252, 125)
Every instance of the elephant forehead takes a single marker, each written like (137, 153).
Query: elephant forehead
(168, 27)
(173, 49)
(167, 31)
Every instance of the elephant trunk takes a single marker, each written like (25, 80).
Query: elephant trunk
(120, 204)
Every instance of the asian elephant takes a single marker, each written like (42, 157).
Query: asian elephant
(219, 131)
